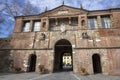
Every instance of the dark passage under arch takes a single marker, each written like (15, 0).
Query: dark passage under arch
(63, 51)
(96, 63)
(32, 63)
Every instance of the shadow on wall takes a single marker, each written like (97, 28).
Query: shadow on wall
(6, 61)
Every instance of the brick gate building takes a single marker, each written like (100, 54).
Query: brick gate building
(91, 38)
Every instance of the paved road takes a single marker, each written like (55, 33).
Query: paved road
(60, 76)
(20, 76)
(34, 76)
(98, 77)
(56, 76)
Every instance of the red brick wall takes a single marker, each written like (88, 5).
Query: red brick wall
(5, 44)
(18, 25)
(116, 19)
(114, 61)
(5, 61)
(22, 40)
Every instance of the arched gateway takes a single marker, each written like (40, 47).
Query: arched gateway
(32, 63)
(96, 63)
(62, 56)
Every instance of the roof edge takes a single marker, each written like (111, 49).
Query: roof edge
(69, 7)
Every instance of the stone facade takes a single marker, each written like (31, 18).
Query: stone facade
(84, 42)
(5, 56)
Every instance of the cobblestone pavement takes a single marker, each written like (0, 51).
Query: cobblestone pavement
(56, 76)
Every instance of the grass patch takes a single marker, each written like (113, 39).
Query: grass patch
(5, 38)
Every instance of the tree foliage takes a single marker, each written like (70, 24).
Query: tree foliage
(11, 8)
(15, 8)
(29, 9)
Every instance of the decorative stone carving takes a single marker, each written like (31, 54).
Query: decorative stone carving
(62, 12)
(62, 27)
(85, 35)
(42, 36)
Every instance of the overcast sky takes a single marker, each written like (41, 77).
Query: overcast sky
(87, 4)
(50, 4)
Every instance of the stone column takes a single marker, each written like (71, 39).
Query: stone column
(31, 25)
(18, 25)
(47, 24)
(99, 22)
(111, 18)
(52, 60)
(79, 22)
(56, 21)
(69, 20)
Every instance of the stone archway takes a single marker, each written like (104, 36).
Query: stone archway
(32, 63)
(97, 68)
(61, 48)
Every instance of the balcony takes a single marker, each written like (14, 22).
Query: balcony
(57, 24)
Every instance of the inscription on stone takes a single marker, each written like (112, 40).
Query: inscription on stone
(62, 12)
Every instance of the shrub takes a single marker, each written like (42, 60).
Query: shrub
(83, 71)
(18, 69)
(41, 69)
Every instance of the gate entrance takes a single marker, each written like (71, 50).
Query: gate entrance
(63, 56)
(96, 63)
(32, 63)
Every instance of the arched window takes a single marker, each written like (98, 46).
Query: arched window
(83, 23)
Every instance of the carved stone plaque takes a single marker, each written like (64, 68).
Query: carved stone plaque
(62, 12)
(62, 28)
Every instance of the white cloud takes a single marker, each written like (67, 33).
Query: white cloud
(11, 18)
(42, 4)
(87, 4)
(92, 4)
(2, 6)
(75, 3)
